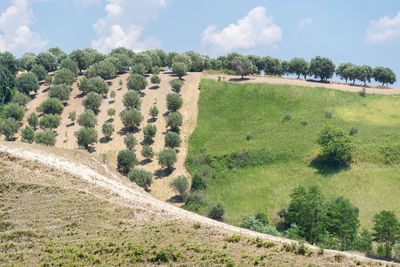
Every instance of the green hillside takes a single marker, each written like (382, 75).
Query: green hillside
(253, 157)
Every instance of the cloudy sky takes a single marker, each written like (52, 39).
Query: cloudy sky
(359, 31)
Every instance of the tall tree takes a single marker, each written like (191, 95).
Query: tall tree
(242, 66)
(386, 230)
(299, 66)
(322, 68)
(7, 84)
(384, 75)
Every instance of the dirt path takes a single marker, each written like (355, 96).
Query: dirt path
(282, 80)
(108, 184)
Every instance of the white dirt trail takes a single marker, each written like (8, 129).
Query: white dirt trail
(127, 194)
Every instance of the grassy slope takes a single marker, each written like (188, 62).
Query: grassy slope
(42, 224)
(229, 112)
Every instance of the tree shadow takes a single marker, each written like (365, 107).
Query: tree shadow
(70, 124)
(111, 102)
(147, 142)
(326, 167)
(145, 161)
(80, 95)
(91, 149)
(176, 199)
(238, 79)
(161, 173)
(166, 114)
(110, 120)
(155, 87)
(104, 140)
(46, 90)
(317, 81)
(151, 120)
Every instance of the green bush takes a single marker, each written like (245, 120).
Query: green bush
(28, 134)
(217, 212)
(95, 84)
(39, 71)
(68, 63)
(9, 127)
(353, 130)
(49, 121)
(14, 110)
(64, 76)
(149, 132)
(176, 85)
(132, 100)
(20, 99)
(92, 102)
(155, 79)
(131, 118)
(130, 141)
(138, 69)
(147, 152)
(174, 120)
(174, 102)
(46, 137)
(141, 177)
(198, 182)
(136, 82)
(107, 129)
(33, 120)
(72, 116)
(155, 70)
(60, 91)
(87, 119)
(167, 158)
(172, 140)
(111, 112)
(51, 106)
(27, 82)
(126, 160)
(86, 137)
(154, 112)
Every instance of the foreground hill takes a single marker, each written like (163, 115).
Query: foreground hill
(257, 142)
(66, 207)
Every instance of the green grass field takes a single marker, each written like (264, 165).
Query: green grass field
(280, 152)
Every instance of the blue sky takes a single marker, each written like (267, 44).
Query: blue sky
(359, 31)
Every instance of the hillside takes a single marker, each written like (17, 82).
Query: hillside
(66, 207)
(248, 119)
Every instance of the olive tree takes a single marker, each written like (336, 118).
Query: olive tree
(14, 110)
(180, 184)
(111, 112)
(138, 69)
(92, 101)
(46, 137)
(242, 66)
(174, 120)
(167, 158)
(136, 82)
(141, 177)
(72, 116)
(172, 140)
(51, 106)
(60, 91)
(107, 129)
(299, 66)
(180, 69)
(384, 75)
(9, 127)
(64, 76)
(154, 112)
(28, 134)
(86, 137)
(147, 152)
(131, 99)
(149, 132)
(174, 102)
(49, 121)
(39, 71)
(33, 120)
(126, 160)
(322, 68)
(27, 82)
(105, 69)
(87, 119)
(47, 60)
(130, 141)
(176, 85)
(20, 99)
(155, 79)
(131, 118)
(68, 63)
(81, 58)
(386, 230)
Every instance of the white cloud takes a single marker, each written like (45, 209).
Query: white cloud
(305, 22)
(124, 23)
(15, 34)
(254, 30)
(384, 30)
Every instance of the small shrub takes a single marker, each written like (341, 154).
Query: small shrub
(217, 212)
(141, 177)
(87, 119)
(196, 225)
(172, 140)
(86, 137)
(167, 158)
(131, 100)
(28, 134)
(328, 114)
(338, 257)
(155, 79)
(92, 102)
(107, 129)
(180, 184)
(111, 112)
(174, 102)
(262, 218)
(46, 137)
(130, 141)
(195, 201)
(287, 117)
(154, 112)
(233, 239)
(51, 106)
(301, 250)
(49, 121)
(33, 120)
(72, 116)
(126, 160)
(176, 85)
(304, 123)
(149, 132)
(353, 130)
(198, 182)
(113, 94)
(174, 121)
(363, 92)
(147, 152)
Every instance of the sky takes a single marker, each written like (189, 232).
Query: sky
(358, 31)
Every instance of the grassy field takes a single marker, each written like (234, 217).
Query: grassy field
(254, 157)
